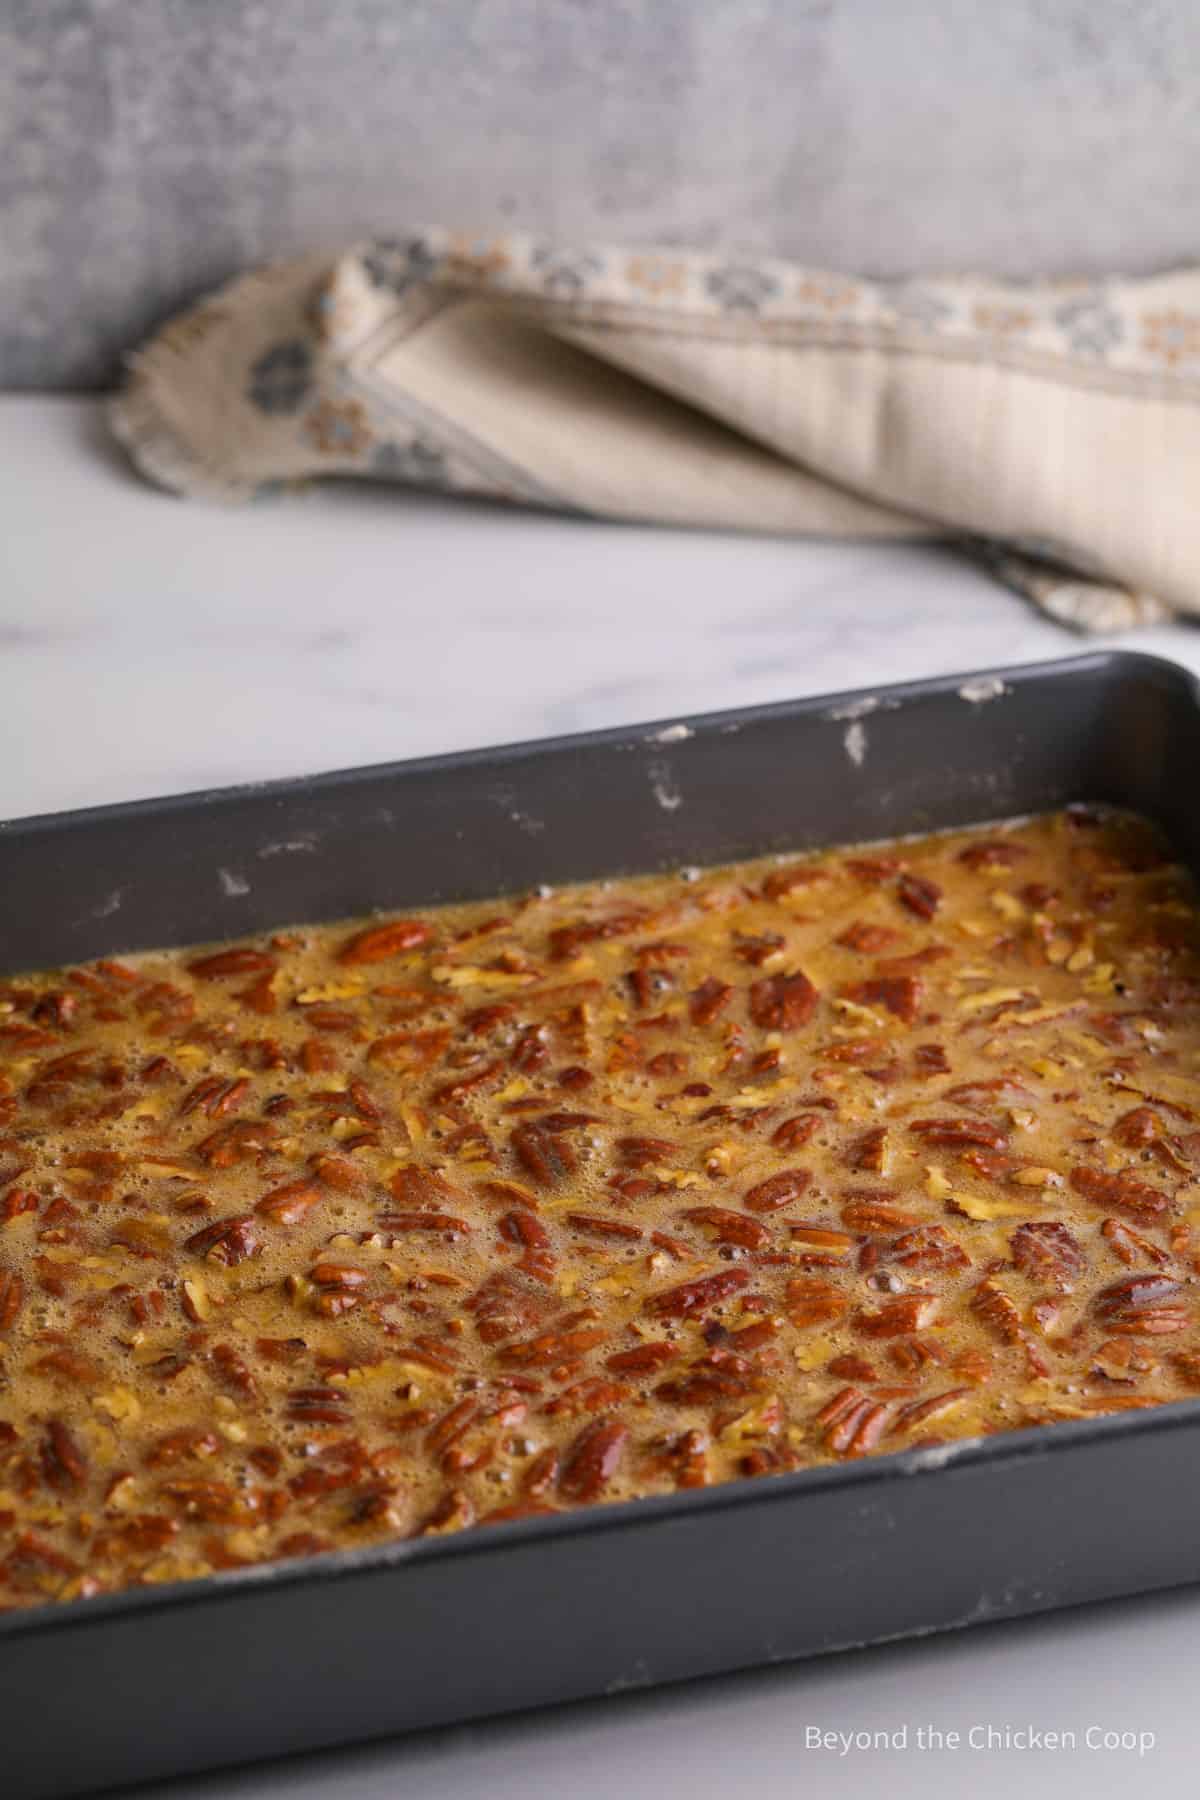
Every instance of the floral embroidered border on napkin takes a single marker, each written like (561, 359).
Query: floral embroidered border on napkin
(1053, 429)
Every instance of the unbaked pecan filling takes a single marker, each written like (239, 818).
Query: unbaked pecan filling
(391, 1228)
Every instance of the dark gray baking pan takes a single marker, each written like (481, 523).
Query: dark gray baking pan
(355, 1644)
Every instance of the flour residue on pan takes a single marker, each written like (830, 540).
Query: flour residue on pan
(505, 797)
(854, 709)
(232, 885)
(855, 741)
(297, 846)
(639, 1676)
(671, 734)
(852, 714)
(978, 693)
(664, 787)
(936, 1456)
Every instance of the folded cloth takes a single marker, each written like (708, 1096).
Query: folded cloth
(1051, 429)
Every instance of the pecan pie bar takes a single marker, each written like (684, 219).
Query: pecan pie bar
(396, 1227)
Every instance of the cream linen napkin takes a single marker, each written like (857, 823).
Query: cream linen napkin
(1052, 429)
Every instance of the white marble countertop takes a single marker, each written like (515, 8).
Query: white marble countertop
(147, 647)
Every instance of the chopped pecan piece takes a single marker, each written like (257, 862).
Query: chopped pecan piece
(997, 1310)
(693, 1297)
(1124, 1190)
(442, 1223)
(1046, 1250)
(897, 1318)
(64, 1464)
(644, 1152)
(593, 1460)
(545, 1155)
(552, 1347)
(644, 1359)
(728, 1227)
(782, 882)
(794, 1133)
(902, 995)
(1138, 1128)
(380, 942)
(12, 1293)
(223, 963)
(869, 940)
(1133, 1247)
(596, 1225)
(288, 1204)
(919, 895)
(852, 1424)
(819, 1248)
(319, 1405)
(919, 1412)
(1145, 1304)
(227, 1241)
(808, 1300)
(928, 1247)
(233, 1371)
(954, 1132)
(993, 853)
(868, 1151)
(778, 1190)
(871, 1213)
(783, 1002)
(234, 1143)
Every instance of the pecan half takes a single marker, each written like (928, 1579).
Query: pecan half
(783, 1002)
(1046, 1250)
(919, 895)
(778, 1190)
(380, 942)
(692, 1297)
(226, 1241)
(593, 1460)
(1124, 1190)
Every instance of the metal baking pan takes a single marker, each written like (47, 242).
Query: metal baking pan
(362, 1643)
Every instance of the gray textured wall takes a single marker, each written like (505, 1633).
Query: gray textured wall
(150, 147)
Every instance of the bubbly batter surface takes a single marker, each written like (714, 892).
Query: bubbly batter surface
(399, 1226)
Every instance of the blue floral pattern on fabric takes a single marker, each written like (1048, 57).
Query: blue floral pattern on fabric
(397, 263)
(564, 271)
(418, 461)
(1089, 324)
(741, 287)
(281, 380)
